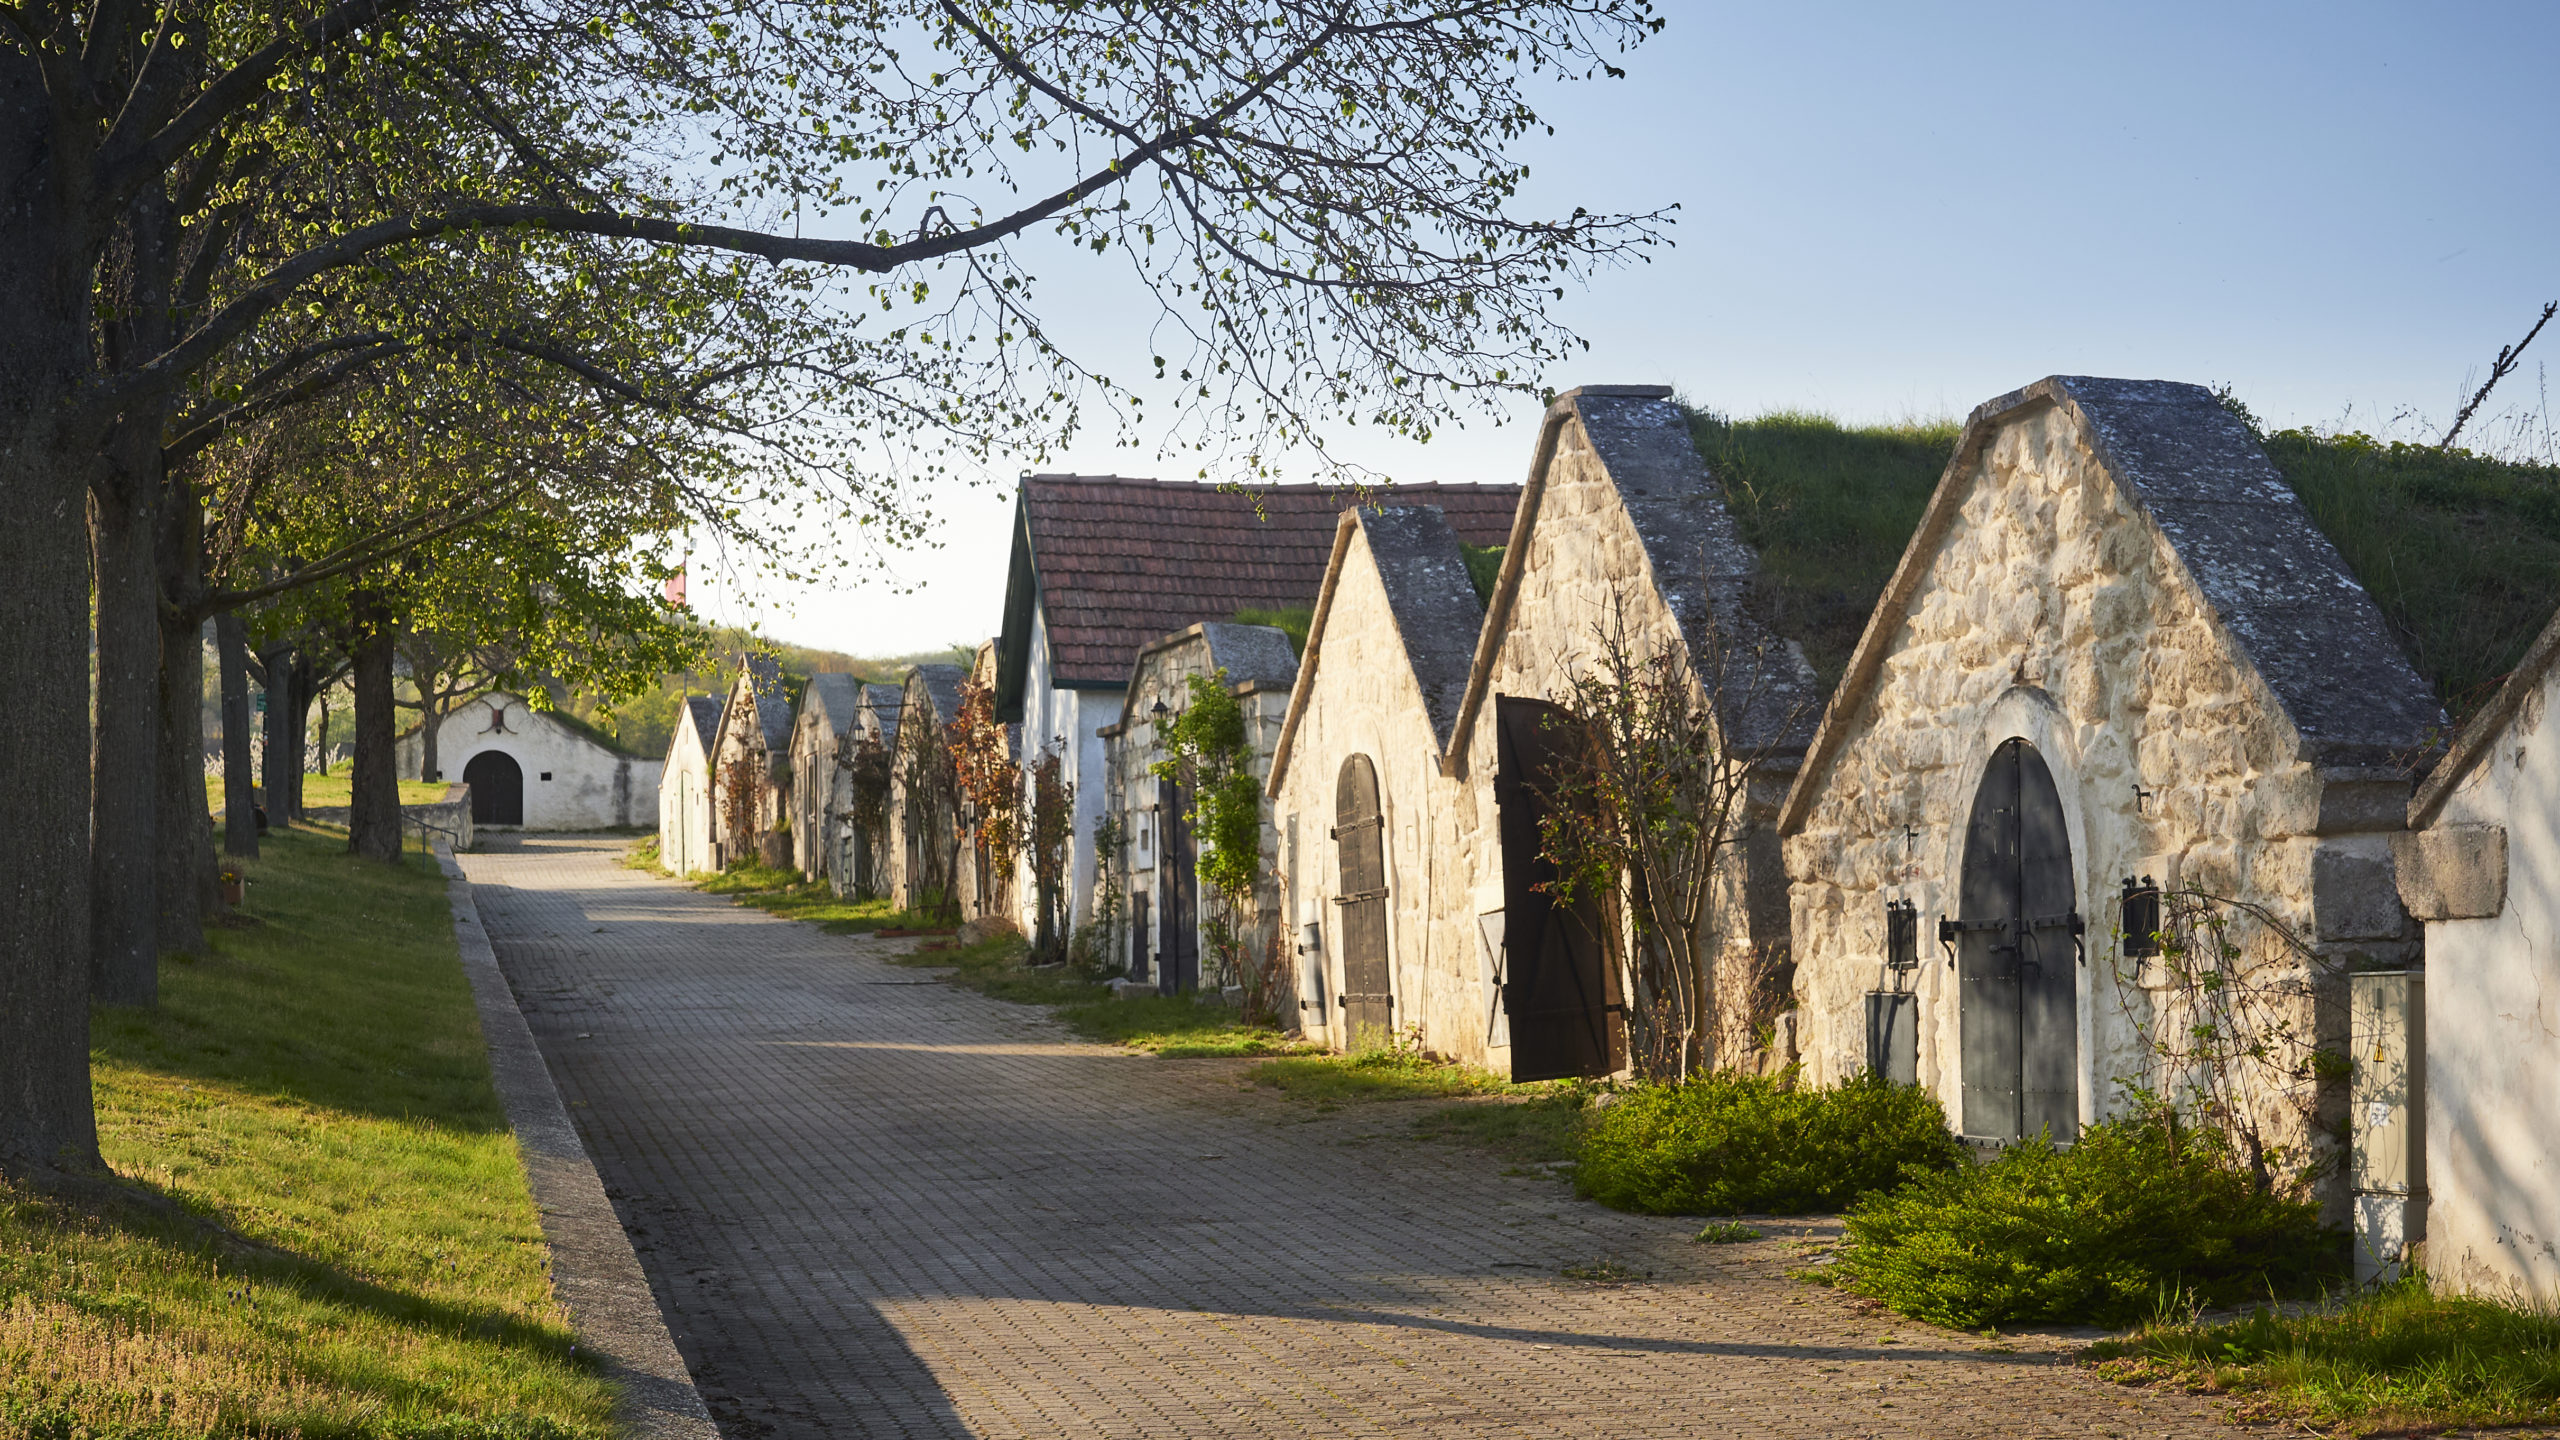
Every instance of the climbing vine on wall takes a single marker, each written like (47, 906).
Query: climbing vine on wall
(738, 806)
(1052, 836)
(1205, 752)
(2227, 1013)
(983, 767)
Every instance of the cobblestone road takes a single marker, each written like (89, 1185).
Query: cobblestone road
(875, 1205)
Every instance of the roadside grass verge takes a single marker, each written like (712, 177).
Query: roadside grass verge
(1172, 1027)
(351, 1251)
(2397, 1359)
(785, 893)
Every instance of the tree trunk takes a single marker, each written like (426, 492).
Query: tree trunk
(239, 780)
(46, 466)
(373, 803)
(317, 762)
(430, 721)
(124, 937)
(187, 876)
(288, 703)
(189, 879)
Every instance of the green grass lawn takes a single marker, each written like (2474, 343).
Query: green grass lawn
(358, 1255)
(2396, 1360)
(321, 792)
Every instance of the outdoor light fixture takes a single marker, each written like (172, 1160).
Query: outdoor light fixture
(2141, 917)
(1901, 936)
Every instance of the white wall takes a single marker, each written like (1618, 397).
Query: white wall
(588, 787)
(1070, 721)
(2493, 1037)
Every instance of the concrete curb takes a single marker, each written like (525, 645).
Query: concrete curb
(593, 1269)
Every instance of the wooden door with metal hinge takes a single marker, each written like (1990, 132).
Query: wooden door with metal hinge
(2018, 943)
(1559, 990)
(1360, 849)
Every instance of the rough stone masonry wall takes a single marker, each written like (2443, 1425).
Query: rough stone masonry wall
(2053, 611)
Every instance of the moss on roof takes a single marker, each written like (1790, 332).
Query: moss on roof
(2461, 551)
(1830, 508)
(1293, 621)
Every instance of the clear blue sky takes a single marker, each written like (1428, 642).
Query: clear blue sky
(1898, 210)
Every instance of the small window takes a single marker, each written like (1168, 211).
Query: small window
(546, 774)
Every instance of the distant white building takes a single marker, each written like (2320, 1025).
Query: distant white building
(684, 788)
(534, 769)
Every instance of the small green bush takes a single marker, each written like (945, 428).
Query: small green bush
(1741, 1144)
(2138, 1212)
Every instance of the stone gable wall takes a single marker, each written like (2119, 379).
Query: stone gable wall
(2052, 610)
(1364, 702)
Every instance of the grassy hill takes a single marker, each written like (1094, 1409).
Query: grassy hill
(2461, 551)
(1830, 508)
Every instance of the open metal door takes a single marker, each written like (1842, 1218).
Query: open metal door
(1559, 989)
(2018, 938)
(1360, 849)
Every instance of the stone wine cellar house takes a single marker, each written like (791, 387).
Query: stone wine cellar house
(684, 788)
(821, 733)
(751, 767)
(2117, 659)
(857, 857)
(1415, 762)
(924, 840)
(1155, 868)
(534, 769)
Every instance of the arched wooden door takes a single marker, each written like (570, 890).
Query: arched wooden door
(497, 788)
(1558, 987)
(2018, 956)
(1360, 849)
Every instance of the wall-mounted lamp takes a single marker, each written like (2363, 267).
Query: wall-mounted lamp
(1901, 936)
(2141, 917)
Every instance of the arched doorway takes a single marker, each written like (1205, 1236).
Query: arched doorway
(1558, 987)
(497, 788)
(2018, 956)
(1360, 852)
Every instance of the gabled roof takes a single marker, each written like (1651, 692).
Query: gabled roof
(773, 707)
(705, 712)
(884, 701)
(833, 697)
(941, 687)
(1110, 564)
(1254, 656)
(1430, 598)
(2479, 739)
(1767, 696)
(2278, 588)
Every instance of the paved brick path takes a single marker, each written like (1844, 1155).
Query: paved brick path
(875, 1205)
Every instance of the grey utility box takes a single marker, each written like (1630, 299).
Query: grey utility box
(2387, 1115)
(1893, 1036)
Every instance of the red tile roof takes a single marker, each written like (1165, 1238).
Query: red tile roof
(1122, 562)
